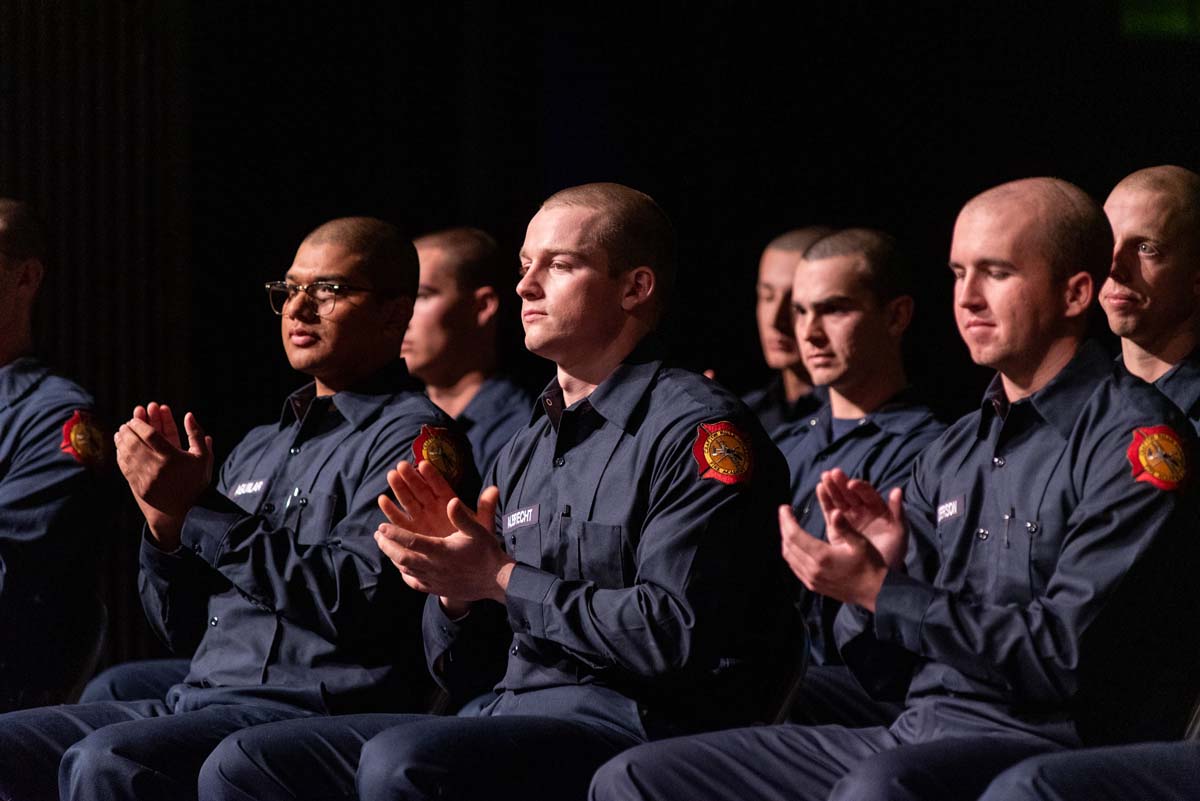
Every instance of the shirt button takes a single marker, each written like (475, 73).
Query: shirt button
(559, 461)
(512, 539)
(812, 422)
(293, 451)
(268, 507)
(998, 461)
(214, 620)
(982, 533)
(304, 501)
(1032, 527)
(514, 650)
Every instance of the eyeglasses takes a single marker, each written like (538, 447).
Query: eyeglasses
(322, 294)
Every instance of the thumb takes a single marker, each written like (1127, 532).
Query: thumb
(462, 519)
(840, 531)
(896, 504)
(486, 514)
(198, 443)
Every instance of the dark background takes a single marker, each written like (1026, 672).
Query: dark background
(180, 151)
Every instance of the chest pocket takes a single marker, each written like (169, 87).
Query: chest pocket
(955, 539)
(312, 516)
(593, 552)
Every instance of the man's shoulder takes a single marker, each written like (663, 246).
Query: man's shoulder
(36, 387)
(1122, 404)
(688, 396)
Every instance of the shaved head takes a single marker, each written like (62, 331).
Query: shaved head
(798, 240)
(472, 254)
(885, 270)
(1068, 226)
(386, 255)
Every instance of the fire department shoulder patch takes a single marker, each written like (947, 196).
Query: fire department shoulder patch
(723, 452)
(83, 440)
(1158, 457)
(440, 448)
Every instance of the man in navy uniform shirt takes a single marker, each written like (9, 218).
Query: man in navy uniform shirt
(852, 304)
(452, 344)
(637, 592)
(49, 450)
(788, 396)
(1152, 300)
(273, 576)
(1014, 590)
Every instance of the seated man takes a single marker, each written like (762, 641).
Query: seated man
(1014, 590)
(638, 591)
(273, 577)
(788, 396)
(451, 343)
(49, 450)
(1152, 300)
(852, 304)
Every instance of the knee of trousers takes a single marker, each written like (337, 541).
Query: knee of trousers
(622, 778)
(95, 760)
(879, 778)
(232, 771)
(406, 763)
(1017, 783)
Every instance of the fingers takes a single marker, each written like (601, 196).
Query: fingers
(464, 520)
(896, 503)
(435, 482)
(199, 444)
(833, 482)
(167, 425)
(412, 490)
(139, 413)
(406, 560)
(489, 499)
(394, 513)
(840, 531)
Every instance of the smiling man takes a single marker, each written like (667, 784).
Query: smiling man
(272, 576)
(1012, 593)
(1152, 299)
(634, 589)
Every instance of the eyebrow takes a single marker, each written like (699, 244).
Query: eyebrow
(576, 254)
(988, 263)
(332, 279)
(826, 301)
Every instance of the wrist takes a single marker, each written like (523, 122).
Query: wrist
(872, 585)
(503, 574)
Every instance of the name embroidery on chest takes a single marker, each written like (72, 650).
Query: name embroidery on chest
(248, 488)
(949, 509)
(521, 518)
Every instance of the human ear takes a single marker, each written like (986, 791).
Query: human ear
(1078, 292)
(487, 305)
(639, 286)
(899, 315)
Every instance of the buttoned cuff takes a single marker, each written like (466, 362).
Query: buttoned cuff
(155, 559)
(439, 630)
(900, 610)
(528, 589)
(208, 523)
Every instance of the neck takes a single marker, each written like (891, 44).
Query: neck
(1151, 362)
(580, 377)
(454, 398)
(1021, 383)
(795, 383)
(852, 402)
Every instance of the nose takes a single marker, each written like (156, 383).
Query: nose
(528, 287)
(300, 306)
(808, 328)
(1120, 270)
(967, 294)
(782, 319)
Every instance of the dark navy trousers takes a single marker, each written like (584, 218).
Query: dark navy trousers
(924, 755)
(136, 681)
(1146, 772)
(387, 756)
(114, 750)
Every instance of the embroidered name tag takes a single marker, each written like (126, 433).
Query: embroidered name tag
(522, 518)
(951, 508)
(248, 488)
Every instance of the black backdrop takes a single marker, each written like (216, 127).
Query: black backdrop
(181, 150)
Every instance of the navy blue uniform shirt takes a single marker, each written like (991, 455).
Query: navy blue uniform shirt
(498, 410)
(1181, 385)
(48, 542)
(279, 579)
(773, 409)
(640, 572)
(1048, 581)
(880, 450)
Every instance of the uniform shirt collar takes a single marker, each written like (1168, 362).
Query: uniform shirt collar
(617, 396)
(901, 414)
(17, 377)
(1181, 384)
(1058, 402)
(358, 403)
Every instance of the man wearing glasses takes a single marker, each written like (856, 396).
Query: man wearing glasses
(273, 575)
